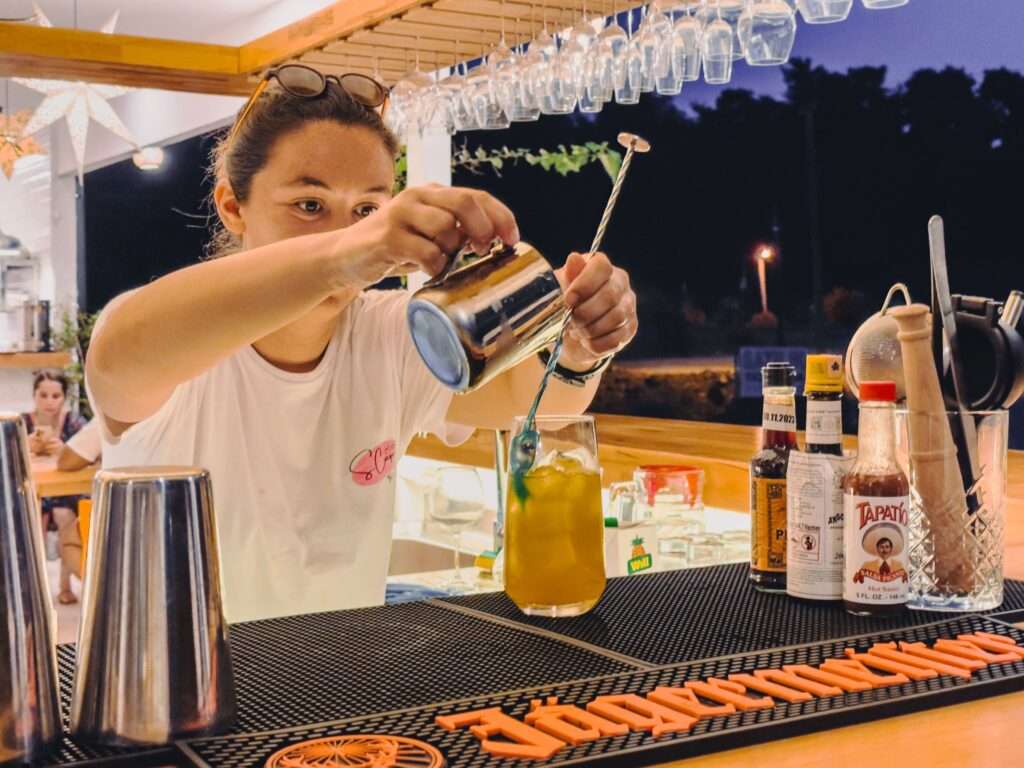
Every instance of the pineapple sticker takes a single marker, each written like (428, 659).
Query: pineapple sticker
(639, 558)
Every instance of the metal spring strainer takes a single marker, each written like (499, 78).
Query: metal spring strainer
(874, 352)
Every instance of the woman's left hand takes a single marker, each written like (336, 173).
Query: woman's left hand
(604, 309)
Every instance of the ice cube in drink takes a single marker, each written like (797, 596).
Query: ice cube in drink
(554, 538)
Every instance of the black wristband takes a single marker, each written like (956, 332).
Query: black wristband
(571, 377)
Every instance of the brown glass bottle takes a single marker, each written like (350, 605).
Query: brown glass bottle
(875, 508)
(823, 388)
(768, 479)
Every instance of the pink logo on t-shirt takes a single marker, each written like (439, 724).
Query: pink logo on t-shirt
(372, 465)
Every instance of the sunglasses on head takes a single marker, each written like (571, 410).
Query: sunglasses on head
(306, 82)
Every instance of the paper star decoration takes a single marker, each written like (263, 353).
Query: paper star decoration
(78, 102)
(14, 142)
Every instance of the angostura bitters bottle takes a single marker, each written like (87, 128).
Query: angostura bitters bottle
(875, 507)
(768, 478)
(823, 387)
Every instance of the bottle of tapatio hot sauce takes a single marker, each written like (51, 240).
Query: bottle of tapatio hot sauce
(875, 507)
(768, 479)
(823, 387)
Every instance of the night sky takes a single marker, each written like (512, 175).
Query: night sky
(973, 34)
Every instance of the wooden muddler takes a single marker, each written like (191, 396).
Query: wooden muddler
(935, 471)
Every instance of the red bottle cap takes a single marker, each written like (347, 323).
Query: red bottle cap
(884, 391)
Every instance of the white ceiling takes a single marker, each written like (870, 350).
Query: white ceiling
(230, 22)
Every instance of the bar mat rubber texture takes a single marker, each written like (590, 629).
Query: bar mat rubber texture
(462, 750)
(328, 666)
(699, 613)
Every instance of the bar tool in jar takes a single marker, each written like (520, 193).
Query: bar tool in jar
(153, 656)
(29, 711)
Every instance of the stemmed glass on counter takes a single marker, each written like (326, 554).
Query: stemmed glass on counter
(457, 505)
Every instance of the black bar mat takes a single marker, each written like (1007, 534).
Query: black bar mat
(462, 750)
(698, 613)
(328, 666)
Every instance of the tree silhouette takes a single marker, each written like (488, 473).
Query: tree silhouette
(720, 179)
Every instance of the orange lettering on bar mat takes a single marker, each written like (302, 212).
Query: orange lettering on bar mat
(922, 650)
(968, 651)
(989, 642)
(888, 651)
(828, 678)
(686, 701)
(729, 692)
(889, 665)
(772, 689)
(794, 681)
(523, 741)
(854, 670)
(640, 714)
(570, 723)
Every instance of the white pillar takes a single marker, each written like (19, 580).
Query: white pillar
(429, 159)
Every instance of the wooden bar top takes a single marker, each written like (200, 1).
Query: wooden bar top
(50, 481)
(979, 733)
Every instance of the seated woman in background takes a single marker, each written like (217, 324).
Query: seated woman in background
(50, 425)
(82, 450)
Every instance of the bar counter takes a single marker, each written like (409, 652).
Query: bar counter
(983, 732)
(978, 733)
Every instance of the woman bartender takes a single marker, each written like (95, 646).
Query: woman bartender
(298, 390)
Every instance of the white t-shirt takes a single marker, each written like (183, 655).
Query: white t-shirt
(87, 442)
(303, 464)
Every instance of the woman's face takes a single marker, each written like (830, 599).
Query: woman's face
(321, 177)
(49, 397)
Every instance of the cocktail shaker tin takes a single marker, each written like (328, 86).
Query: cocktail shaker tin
(153, 657)
(29, 711)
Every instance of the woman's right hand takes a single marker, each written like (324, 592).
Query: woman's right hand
(39, 441)
(421, 226)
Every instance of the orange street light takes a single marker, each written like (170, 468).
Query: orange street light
(762, 256)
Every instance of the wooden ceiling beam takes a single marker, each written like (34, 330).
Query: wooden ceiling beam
(413, 29)
(412, 43)
(378, 29)
(527, 10)
(337, 20)
(138, 62)
(468, 21)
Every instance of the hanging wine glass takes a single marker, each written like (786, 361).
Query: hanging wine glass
(824, 11)
(876, 5)
(484, 99)
(628, 68)
(686, 36)
(666, 80)
(717, 52)
(728, 11)
(561, 85)
(590, 99)
(523, 106)
(612, 43)
(502, 63)
(542, 53)
(647, 43)
(767, 30)
(576, 49)
(463, 117)
(598, 71)
(441, 101)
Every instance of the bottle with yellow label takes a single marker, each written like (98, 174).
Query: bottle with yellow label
(768, 478)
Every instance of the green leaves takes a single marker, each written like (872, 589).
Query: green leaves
(562, 160)
(73, 335)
